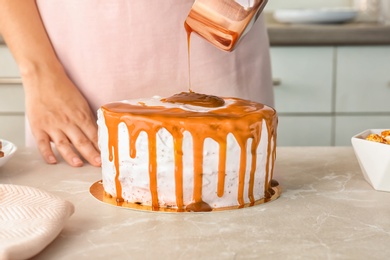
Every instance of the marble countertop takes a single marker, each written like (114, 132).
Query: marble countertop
(326, 211)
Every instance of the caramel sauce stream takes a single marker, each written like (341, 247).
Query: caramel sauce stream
(189, 30)
(243, 119)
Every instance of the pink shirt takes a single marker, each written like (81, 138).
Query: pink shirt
(115, 50)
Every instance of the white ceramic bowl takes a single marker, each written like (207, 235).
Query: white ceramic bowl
(320, 15)
(374, 159)
(9, 150)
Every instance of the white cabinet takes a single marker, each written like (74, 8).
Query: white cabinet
(12, 122)
(12, 128)
(304, 130)
(363, 90)
(8, 67)
(12, 98)
(303, 94)
(363, 79)
(328, 94)
(305, 76)
(350, 125)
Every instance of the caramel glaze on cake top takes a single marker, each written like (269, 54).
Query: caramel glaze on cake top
(243, 119)
(195, 99)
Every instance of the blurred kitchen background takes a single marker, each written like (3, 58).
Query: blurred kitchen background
(331, 81)
(331, 78)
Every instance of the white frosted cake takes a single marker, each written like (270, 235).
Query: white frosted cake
(189, 152)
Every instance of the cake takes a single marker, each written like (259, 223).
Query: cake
(188, 152)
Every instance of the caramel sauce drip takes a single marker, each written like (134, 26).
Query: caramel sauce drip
(195, 99)
(243, 119)
(199, 206)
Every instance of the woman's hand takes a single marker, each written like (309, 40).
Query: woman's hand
(58, 113)
(56, 109)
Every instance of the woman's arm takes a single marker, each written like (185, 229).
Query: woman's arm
(56, 109)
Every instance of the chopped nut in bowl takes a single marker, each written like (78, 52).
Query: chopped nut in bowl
(372, 149)
(7, 150)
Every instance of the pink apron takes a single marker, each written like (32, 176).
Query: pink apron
(115, 50)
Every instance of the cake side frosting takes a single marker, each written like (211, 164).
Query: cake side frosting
(170, 155)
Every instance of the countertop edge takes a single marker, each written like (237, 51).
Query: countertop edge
(326, 34)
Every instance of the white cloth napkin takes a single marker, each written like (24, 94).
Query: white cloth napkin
(30, 219)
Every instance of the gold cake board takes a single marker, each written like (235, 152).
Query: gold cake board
(98, 192)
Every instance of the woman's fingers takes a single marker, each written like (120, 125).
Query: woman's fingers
(44, 147)
(65, 148)
(85, 145)
(67, 140)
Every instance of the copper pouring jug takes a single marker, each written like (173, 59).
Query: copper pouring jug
(223, 22)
